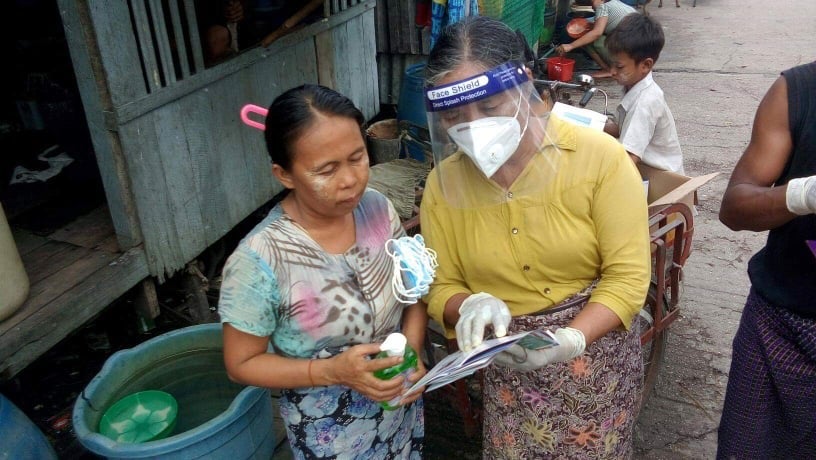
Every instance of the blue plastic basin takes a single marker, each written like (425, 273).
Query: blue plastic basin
(217, 419)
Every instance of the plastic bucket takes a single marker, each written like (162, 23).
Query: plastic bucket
(560, 68)
(217, 419)
(20, 437)
(14, 283)
(411, 105)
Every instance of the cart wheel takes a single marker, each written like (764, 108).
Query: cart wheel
(653, 350)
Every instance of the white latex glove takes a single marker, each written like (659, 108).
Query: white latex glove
(800, 196)
(476, 312)
(571, 343)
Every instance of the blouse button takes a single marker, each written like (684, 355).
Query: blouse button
(515, 231)
(526, 268)
(509, 194)
(547, 290)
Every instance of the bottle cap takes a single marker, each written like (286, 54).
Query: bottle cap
(394, 344)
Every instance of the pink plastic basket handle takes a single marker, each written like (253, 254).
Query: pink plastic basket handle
(252, 108)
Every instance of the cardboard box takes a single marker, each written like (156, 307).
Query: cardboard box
(666, 187)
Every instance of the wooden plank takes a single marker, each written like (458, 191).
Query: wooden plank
(160, 34)
(381, 23)
(179, 41)
(27, 241)
(115, 46)
(146, 303)
(195, 43)
(50, 258)
(62, 308)
(408, 24)
(370, 99)
(347, 62)
(150, 194)
(87, 231)
(44, 289)
(394, 28)
(130, 111)
(324, 47)
(109, 244)
(184, 210)
(82, 27)
(208, 157)
(148, 53)
(385, 77)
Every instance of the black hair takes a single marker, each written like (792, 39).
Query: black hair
(294, 111)
(637, 35)
(474, 39)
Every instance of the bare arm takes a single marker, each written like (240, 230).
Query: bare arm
(414, 324)
(589, 37)
(751, 202)
(452, 309)
(595, 320)
(247, 361)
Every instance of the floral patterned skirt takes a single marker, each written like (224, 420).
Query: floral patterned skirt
(336, 422)
(581, 409)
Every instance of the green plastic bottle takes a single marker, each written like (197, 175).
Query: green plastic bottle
(396, 345)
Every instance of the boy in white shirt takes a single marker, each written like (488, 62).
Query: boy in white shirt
(645, 125)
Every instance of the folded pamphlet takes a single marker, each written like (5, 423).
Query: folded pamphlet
(458, 365)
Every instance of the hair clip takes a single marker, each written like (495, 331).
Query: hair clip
(252, 108)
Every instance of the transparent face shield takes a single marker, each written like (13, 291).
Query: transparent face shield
(489, 136)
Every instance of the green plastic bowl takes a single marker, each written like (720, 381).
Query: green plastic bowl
(141, 417)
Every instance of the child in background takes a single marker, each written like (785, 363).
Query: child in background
(645, 125)
(608, 14)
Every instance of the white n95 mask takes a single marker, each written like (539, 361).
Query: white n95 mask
(489, 141)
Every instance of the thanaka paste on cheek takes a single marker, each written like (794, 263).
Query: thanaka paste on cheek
(319, 185)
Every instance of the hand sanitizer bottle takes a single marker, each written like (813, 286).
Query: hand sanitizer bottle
(396, 345)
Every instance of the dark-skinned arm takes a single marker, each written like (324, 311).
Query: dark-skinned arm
(751, 201)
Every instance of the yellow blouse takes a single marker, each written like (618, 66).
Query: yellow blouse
(589, 221)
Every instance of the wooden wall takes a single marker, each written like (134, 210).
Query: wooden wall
(400, 44)
(179, 167)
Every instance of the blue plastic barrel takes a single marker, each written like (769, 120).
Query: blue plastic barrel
(20, 439)
(411, 105)
(217, 418)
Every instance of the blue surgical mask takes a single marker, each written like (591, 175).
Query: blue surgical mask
(414, 267)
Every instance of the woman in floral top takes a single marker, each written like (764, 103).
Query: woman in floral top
(314, 280)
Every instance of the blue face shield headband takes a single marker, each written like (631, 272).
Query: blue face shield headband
(475, 88)
(414, 267)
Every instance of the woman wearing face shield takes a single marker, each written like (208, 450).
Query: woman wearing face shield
(537, 224)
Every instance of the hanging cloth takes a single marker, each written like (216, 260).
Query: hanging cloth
(444, 12)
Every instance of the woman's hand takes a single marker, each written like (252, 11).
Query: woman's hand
(354, 369)
(476, 312)
(571, 343)
(564, 49)
(420, 372)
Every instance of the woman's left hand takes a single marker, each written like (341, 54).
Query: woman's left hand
(571, 343)
(415, 376)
